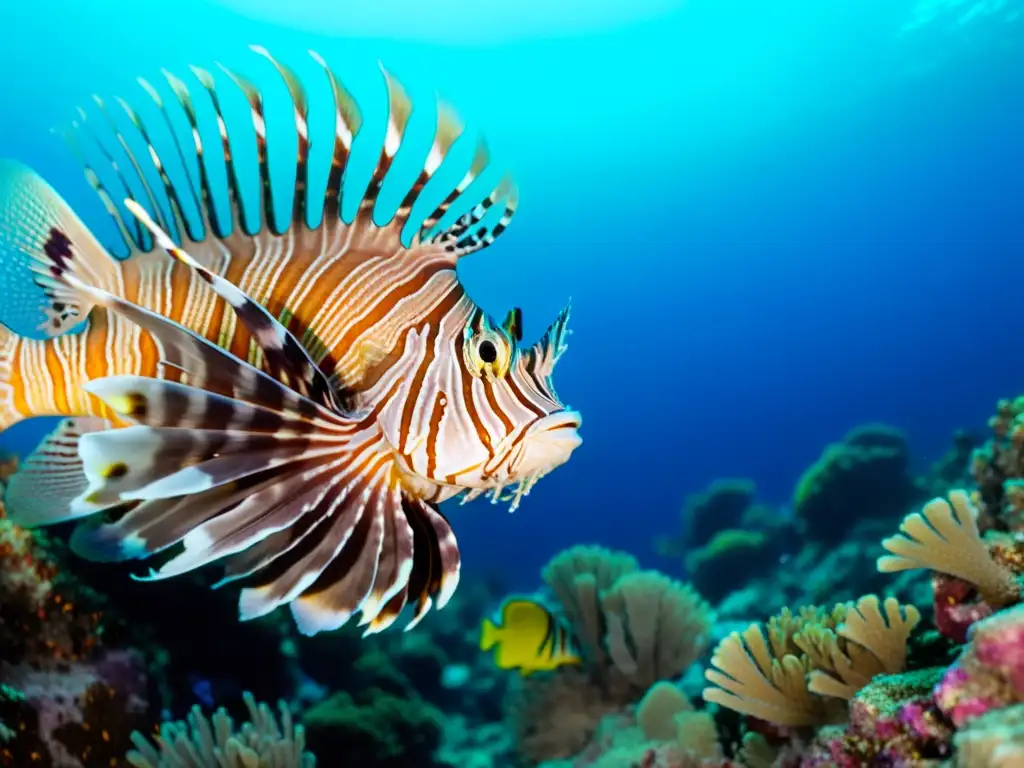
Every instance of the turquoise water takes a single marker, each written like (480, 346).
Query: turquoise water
(775, 219)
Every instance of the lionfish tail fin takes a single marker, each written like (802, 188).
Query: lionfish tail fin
(9, 414)
(41, 235)
(48, 486)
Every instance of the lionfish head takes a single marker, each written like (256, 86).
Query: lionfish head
(523, 427)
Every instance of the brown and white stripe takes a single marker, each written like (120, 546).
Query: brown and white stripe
(295, 400)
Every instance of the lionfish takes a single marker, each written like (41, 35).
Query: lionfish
(294, 401)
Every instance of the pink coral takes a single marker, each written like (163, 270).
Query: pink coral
(990, 671)
(893, 722)
(956, 606)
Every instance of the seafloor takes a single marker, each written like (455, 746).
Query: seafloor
(832, 636)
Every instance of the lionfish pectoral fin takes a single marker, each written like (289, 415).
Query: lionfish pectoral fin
(50, 485)
(303, 501)
(387, 554)
(42, 238)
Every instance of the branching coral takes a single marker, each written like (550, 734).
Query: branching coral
(793, 670)
(867, 643)
(263, 742)
(944, 537)
(752, 681)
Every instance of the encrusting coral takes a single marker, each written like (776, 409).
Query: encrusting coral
(998, 467)
(262, 742)
(993, 740)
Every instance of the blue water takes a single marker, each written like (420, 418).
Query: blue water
(776, 220)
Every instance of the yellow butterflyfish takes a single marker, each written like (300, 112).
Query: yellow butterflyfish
(528, 638)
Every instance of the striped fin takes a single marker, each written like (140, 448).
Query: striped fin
(287, 360)
(141, 463)
(468, 234)
(286, 267)
(39, 236)
(545, 353)
(207, 365)
(45, 487)
(145, 528)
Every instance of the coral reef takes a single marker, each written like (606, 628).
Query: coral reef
(990, 671)
(723, 528)
(719, 507)
(375, 728)
(866, 470)
(908, 650)
(998, 467)
(80, 714)
(993, 740)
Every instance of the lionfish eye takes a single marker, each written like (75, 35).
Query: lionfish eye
(487, 351)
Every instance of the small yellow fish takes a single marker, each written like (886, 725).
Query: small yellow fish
(529, 638)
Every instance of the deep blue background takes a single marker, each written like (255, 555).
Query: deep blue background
(776, 220)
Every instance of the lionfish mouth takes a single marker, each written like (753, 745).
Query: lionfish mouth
(543, 446)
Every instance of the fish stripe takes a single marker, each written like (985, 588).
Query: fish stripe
(291, 399)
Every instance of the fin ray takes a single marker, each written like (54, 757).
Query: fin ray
(46, 486)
